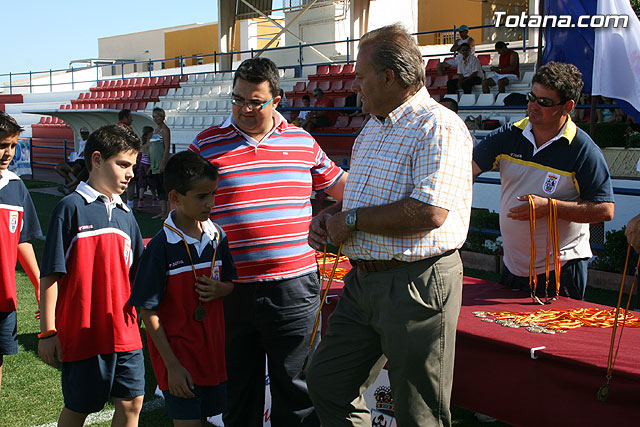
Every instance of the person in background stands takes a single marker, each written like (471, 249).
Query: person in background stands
(508, 69)
(463, 33)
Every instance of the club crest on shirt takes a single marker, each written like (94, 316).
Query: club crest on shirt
(127, 251)
(14, 218)
(550, 182)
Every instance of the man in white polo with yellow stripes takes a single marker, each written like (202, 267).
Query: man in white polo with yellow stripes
(547, 156)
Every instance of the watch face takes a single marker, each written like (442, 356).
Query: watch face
(351, 220)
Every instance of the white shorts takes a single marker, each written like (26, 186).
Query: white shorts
(511, 77)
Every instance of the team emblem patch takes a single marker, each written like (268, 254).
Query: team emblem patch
(127, 251)
(550, 183)
(14, 218)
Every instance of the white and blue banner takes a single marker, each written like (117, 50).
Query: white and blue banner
(608, 57)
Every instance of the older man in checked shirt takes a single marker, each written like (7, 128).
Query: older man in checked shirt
(404, 214)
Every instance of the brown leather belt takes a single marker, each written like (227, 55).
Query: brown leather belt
(372, 266)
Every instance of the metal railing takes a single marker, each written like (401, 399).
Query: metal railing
(152, 71)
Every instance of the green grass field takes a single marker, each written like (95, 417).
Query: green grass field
(31, 392)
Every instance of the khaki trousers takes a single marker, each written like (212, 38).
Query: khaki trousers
(406, 315)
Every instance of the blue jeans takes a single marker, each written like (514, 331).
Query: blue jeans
(272, 319)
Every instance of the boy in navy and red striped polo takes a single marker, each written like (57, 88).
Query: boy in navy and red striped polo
(185, 270)
(18, 225)
(92, 247)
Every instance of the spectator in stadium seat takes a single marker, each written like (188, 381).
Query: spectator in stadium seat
(405, 212)
(74, 166)
(507, 71)
(267, 171)
(319, 118)
(302, 114)
(546, 155)
(469, 70)
(463, 33)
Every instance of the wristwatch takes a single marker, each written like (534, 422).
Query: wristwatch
(351, 219)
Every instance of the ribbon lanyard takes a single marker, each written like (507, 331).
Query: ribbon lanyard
(552, 250)
(603, 392)
(186, 245)
(326, 291)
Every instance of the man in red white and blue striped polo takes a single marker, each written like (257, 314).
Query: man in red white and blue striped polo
(268, 169)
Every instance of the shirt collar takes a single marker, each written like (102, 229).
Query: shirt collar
(210, 233)
(412, 104)
(280, 124)
(6, 176)
(568, 131)
(90, 194)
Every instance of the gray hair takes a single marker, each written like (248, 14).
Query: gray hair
(393, 48)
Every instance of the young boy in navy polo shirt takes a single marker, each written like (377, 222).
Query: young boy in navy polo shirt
(185, 270)
(93, 245)
(18, 225)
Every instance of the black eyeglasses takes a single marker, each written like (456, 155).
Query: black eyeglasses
(543, 102)
(252, 105)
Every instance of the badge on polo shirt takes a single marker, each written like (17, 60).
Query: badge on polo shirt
(216, 270)
(127, 251)
(550, 182)
(14, 217)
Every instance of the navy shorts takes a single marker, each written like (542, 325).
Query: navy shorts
(88, 383)
(8, 333)
(209, 401)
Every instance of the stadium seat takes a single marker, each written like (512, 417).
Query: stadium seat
(311, 86)
(335, 70)
(467, 99)
(183, 78)
(439, 85)
(224, 105)
(188, 122)
(349, 69)
(342, 123)
(356, 123)
(299, 87)
(335, 86)
(198, 121)
(212, 106)
(528, 77)
(500, 99)
(169, 121)
(179, 122)
(322, 71)
(432, 66)
(324, 85)
(485, 99)
(225, 90)
(199, 79)
(289, 73)
(453, 96)
(208, 121)
(339, 101)
(208, 78)
(196, 91)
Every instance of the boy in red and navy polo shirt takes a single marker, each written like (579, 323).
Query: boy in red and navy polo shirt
(93, 245)
(185, 270)
(18, 225)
